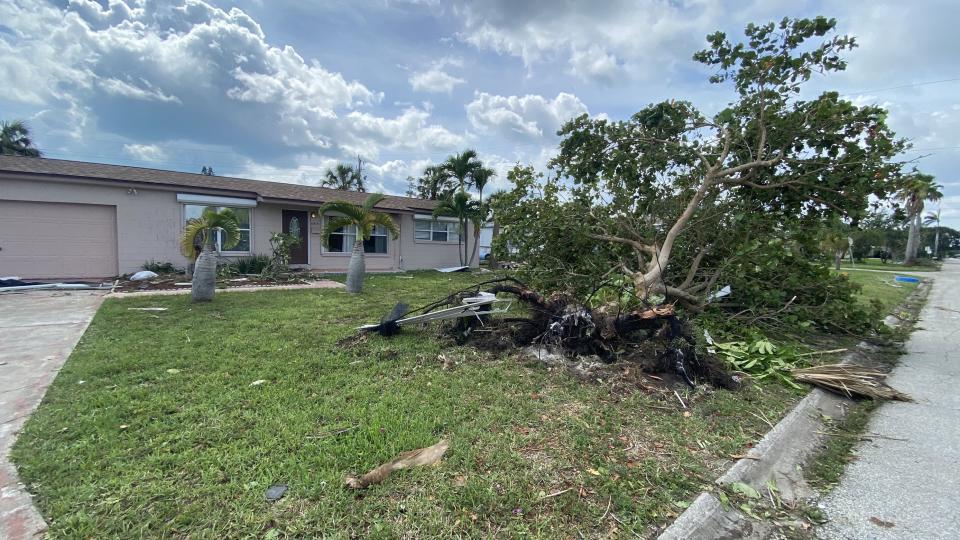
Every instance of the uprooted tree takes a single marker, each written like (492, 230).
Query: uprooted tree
(670, 201)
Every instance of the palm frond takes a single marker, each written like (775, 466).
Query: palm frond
(348, 209)
(194, 228)
(850, 380)
(373, 200)
(226, 221)
(332, 225)
(387, 222)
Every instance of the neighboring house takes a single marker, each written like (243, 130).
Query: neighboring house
(69, 219)
(486, 240)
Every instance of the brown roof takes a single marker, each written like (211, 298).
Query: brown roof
(268, 190)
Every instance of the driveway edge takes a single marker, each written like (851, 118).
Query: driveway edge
(19, 517)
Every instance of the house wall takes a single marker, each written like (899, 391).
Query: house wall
(149, 223)
(422, 254)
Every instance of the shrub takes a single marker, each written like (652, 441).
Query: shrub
(160, 267)
(252, 264)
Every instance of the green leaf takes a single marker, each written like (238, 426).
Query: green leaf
(744, 489)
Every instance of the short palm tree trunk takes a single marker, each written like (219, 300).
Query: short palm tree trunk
(204, 276)
(356, 269)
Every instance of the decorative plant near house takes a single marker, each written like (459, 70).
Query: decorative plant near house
(363, 218)
(203, 230)
(281, 243)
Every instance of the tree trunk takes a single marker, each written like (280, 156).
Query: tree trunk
(936, 244)
(476, 245)
(837, 258)
(204, 280)
(494, 263)
(910, 256)
(357, 268)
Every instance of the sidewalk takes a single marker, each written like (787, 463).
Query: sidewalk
(905, 481)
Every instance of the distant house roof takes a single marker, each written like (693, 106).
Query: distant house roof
(65, 169)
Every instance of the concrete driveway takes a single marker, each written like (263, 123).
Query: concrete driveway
(38, 330)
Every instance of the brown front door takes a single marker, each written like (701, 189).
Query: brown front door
(295, 222)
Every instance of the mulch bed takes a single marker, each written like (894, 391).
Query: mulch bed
(169, 282)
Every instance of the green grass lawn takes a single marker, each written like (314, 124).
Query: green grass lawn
(876, 264)
(882, 287)
(153, 428)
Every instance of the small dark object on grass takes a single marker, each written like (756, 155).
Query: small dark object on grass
(388, 325)
(850, 380)
(276, 492)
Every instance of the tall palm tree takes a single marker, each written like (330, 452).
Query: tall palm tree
(481, 177)
(933, 218)
(203, 230)
(15, 140)
(462, 167)
(363, 219)
(916, 188)
(461, 206)
(344, 177)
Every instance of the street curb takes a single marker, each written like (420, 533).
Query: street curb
(778, 457)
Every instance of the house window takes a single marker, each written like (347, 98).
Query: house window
(342, 239)
(192, 211)
(436, 231)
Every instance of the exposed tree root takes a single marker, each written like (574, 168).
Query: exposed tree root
(654, 337)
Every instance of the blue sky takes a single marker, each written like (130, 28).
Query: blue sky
(281, 89)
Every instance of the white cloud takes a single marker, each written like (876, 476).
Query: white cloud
(600, 42)
(191, 71)
(145, 152)
(147, 92)
(530, 117)
(435, 79)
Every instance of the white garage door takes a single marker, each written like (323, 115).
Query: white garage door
(40, 240)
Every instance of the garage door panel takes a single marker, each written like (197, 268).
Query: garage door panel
(57, 240)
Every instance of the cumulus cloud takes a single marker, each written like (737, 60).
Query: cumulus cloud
(188, 70)
(529, 117)
(145, 152)
(602, 42)
(435, 78)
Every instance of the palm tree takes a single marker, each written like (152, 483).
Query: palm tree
(363, 219)
(461, 206)
(462, 167)
(344, 177)
(836, 243)
(933, 218)
(203, 230)
(481, 177)
(15, 140)
(916, 188)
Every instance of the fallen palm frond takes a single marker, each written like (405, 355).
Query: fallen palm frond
(850, 380)
(414, 458)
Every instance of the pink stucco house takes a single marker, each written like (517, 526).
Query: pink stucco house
(69, 219)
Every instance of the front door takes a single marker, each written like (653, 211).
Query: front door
(295, 222)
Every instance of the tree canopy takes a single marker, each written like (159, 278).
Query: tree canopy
(15, 140)
(675, 199)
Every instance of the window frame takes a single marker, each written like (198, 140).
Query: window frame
(218, 243)
(348, 247)
(434, 231)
